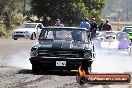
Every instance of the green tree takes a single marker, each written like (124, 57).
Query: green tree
(10, 13)
(70, 12)
(5, 13)
(95, 7)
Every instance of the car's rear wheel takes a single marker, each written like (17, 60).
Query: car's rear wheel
(33, 36)
(15, 38)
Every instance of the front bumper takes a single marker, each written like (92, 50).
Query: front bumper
(60, 63)
(21, 35)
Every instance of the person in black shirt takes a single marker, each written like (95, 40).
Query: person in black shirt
(100, 27)
(107, 26)
(93, 28)
(58, 23)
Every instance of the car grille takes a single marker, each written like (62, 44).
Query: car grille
(19, 36)
(19, 32)
(61, 53)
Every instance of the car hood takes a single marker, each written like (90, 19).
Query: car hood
(25, 29)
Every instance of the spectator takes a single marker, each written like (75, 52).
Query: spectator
(85, 24)
(93, 28)
(107, 26)
(58, 23)
(100, 27)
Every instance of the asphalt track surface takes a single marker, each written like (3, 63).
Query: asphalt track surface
(15, 68)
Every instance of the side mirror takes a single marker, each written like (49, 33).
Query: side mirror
(39, 26)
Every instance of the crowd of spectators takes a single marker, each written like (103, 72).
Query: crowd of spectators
(93, 26)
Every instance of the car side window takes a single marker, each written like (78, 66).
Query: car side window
(39, 26)
(49, 35)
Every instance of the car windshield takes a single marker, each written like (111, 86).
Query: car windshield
(28, 26)
(63, 34)
(102, 34)
(130, 35)
(127, 29)
(110, 33)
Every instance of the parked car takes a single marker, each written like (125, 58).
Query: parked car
(130, 36)
(62, 48)
(127, 29)
(113, 39)
(28, 31)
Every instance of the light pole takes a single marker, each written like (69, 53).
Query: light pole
(119, 16)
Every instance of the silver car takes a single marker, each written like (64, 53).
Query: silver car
(28, 31)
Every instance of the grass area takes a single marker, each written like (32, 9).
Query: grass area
(123, 23)
(7, 33)
(118, 26)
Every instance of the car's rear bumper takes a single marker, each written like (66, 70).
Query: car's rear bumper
(60, 63)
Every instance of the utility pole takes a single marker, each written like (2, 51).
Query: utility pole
(119, 10)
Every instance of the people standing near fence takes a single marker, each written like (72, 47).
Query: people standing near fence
(107, 26)
(100, 26)
(85, 24)
(93, 28)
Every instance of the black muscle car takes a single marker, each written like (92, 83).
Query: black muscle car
(62, 48)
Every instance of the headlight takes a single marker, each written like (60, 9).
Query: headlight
(88, 54)
(27, 31)
(34, 52)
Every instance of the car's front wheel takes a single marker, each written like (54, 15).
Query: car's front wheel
(33, 36)
(88, 69)
(35, 68)
(15, 38)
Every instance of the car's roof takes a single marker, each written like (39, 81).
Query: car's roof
(59, 27)
(113, 31)
(32, 23)
(128, 26)
(109, 31)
